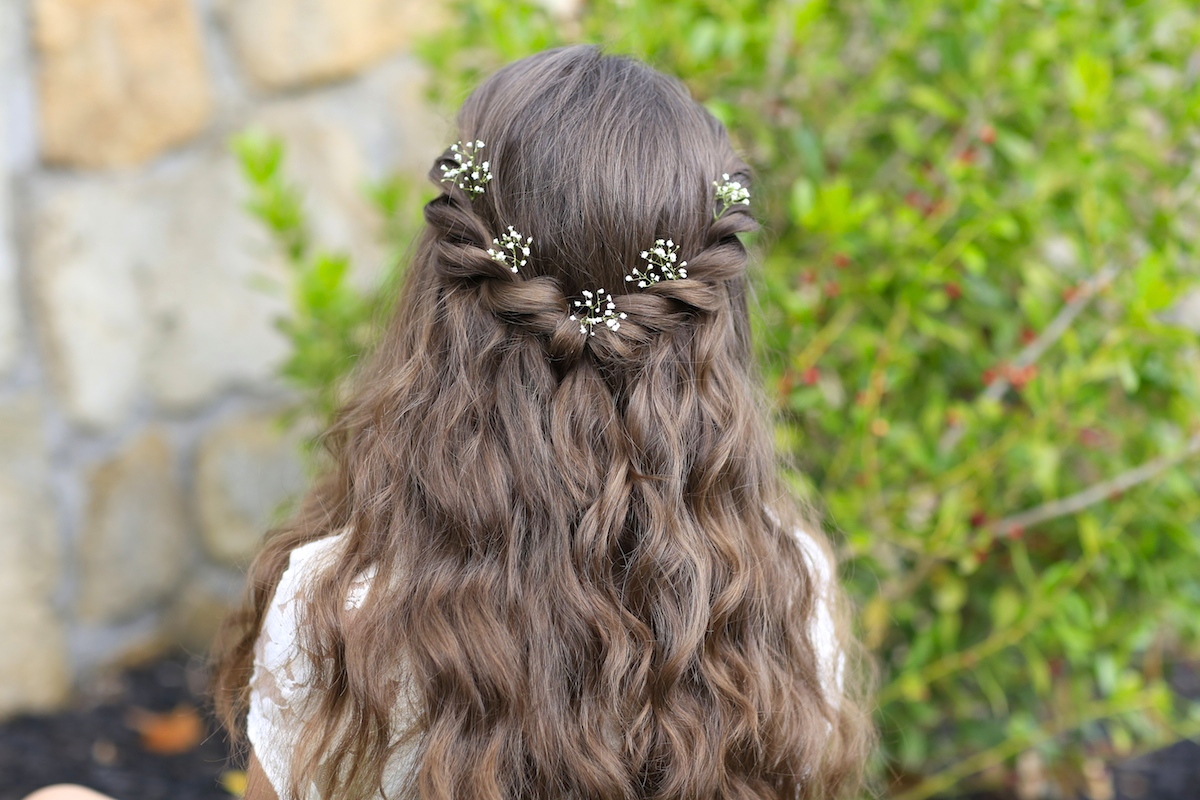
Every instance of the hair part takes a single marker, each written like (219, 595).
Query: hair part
(592, 588)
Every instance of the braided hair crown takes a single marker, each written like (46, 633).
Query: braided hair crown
(570, 214)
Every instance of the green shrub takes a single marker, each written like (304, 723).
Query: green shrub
(332, 320)
(979, 218)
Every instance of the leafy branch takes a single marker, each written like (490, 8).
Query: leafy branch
(331, 321)
(1094, 711)
(1097, 493)
(1035, 349)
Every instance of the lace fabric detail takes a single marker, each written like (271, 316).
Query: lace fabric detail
(831, 659)
(283, 673)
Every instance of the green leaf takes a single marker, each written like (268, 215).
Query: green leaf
(950, 592)
(932, 100)
(1006, 606)
(1153, 291)
(1015, 147)
(803, 201)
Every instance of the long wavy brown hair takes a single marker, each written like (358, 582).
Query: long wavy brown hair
(588, 577)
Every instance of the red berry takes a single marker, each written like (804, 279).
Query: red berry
(1070, 293)
(967, 156)
(832, 289)
(953, 290)
(1019, 376)
(987, 134)
(935, 207)
(810, 376)
(989, 377)
(1028, 335)
(978, 518)
(841, 260)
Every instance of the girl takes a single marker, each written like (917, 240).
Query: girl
(554, 557)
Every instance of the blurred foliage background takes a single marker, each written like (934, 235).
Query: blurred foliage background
(980, 241)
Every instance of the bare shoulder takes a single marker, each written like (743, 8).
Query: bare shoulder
(66, 792)
(257, 785)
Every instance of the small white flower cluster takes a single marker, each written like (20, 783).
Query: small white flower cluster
(730, 193)
(467, 175)
(661, 258)
(595, 314)
(518, 249)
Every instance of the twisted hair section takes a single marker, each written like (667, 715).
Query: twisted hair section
(475, 282)
(592, 587)
(538, 305)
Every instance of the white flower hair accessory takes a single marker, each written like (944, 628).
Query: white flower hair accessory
(598, 309)
(730, 193)
(517, 247)
(466, 174)
(663, 265)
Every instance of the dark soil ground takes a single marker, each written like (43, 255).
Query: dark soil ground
(95, 745)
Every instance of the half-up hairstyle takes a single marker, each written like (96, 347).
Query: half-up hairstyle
(589, 583)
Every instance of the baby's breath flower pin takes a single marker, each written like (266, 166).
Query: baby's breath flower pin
(730, 193)
(466, 174)
(518, 249)
(590, 305)
(661, 266)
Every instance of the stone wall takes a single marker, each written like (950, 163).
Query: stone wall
(139, 459)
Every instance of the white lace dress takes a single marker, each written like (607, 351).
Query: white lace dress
(282, 673)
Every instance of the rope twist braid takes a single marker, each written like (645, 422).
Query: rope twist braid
(539, 306)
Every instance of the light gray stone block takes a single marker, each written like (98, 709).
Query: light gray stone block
(34, 673)
(9, 317)
(86, 256)
(246, 472)
(214, 288)
(133, 548)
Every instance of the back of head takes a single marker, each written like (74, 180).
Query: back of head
(594, 158)
(596, 588)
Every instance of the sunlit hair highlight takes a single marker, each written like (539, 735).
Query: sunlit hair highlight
(588, 584)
